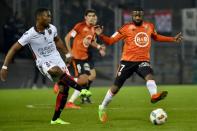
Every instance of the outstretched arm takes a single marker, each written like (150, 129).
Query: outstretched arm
(111, 40)
(12, 51)
(60, 45)
(178, 38)
(108, 40)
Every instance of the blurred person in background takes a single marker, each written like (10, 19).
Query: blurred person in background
(9, 33)
(44, 42)
(12, 30)
(135, 56)
(83, 37)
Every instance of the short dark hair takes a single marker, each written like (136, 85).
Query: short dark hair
(89, 11)
(137, 9)
(39, 11)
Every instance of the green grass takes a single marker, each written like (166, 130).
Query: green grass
(129, 111)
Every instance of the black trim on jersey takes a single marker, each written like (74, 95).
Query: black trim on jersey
(119, 32)
(49, 30)
(35, 28)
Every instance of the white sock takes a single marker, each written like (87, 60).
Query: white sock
(74, 96)
(152, 87)
(107, 99)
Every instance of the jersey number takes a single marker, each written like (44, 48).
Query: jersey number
(120, 69)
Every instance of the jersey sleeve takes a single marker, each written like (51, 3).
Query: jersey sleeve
(118, 35)
(77, 27)
(122, 30)
(75, 30)
(73, 33)
(159, 37)
(154, 32)
(25, 39)
(113, 39)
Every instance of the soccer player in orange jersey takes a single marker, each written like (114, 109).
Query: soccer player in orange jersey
(135, 56)
(83, 35)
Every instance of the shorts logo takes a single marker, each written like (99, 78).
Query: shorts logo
(141, 39)
(144, 64)
(86, 67)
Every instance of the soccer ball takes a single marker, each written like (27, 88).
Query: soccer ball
(158, 116)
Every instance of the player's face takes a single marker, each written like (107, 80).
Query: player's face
(91, 18)
(45, 18)
(137, 17)
(95, 20)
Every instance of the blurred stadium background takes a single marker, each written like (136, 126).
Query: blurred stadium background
(172, 63)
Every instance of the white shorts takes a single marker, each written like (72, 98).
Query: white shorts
(45, 65)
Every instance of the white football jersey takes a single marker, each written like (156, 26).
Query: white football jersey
(43, 47)
(41, 43)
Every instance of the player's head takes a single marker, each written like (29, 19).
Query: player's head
(90, 17)
(137, 16)
(43, 16)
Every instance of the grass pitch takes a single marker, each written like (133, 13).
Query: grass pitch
(31, 110)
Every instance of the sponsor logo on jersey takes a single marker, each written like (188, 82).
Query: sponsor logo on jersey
(47, 50)
(87, 41)
(141, 39)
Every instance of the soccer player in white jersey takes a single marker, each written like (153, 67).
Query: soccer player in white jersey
(44, 42)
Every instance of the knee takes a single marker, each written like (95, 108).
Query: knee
(92, 75)
(55, 71)
(82, 79)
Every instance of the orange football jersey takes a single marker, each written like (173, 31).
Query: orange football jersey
(137, 40)
(80, 47)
